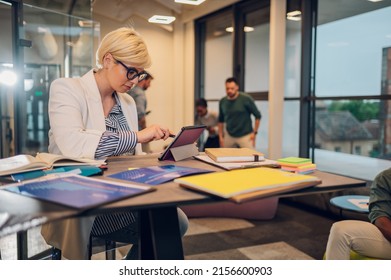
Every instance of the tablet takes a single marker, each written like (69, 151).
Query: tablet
(187, 135)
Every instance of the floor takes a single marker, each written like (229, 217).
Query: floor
(290, 235)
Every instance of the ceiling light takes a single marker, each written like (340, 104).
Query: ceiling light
(161, 19)
(229, 29)
(294, 15)
(248, 29)
(245, 29)
(85, 23)
(375, 0)
(8, 78)
(191, 2)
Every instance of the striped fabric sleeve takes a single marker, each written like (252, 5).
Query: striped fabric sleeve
(114, 144)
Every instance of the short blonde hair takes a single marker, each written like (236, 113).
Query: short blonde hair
(125, 45)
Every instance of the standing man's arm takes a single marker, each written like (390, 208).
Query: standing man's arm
(221, 134)
(257, 123)
(257, 114)
(221, 120)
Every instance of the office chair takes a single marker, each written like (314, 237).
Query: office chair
(355, 256)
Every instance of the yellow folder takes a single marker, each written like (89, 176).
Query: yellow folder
(246, 184)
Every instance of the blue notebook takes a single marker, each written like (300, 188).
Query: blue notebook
(84, 170)
(76, 191)
(156, 175)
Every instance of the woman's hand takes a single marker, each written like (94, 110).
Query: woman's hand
(153, 132)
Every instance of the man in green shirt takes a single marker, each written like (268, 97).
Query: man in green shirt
(370, 239)
(235, 124)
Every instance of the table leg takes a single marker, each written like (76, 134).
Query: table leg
(159, 234)
(21, 245)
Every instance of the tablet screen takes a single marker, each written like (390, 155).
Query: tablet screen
(187, 135)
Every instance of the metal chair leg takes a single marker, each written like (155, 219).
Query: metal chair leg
(110, 249)
(56, 254)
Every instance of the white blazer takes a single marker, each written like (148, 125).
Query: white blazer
(76, 112)
(77, 123)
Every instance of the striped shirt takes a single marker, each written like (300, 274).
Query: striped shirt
(117, 140)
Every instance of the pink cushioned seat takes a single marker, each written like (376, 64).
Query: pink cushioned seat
(261, 209)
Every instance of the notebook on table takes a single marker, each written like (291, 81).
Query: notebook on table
(76, 191)
(248, 184)
(155, 175)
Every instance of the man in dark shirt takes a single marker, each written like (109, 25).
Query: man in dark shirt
(235, 124)
(209, 118)
(370, 239)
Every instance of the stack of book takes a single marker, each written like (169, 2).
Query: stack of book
(297, 165)
(234, 154)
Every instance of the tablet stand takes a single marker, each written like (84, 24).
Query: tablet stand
(184, 152)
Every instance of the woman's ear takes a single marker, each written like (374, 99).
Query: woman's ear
(107, 59)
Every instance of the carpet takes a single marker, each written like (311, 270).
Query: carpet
(294, 233)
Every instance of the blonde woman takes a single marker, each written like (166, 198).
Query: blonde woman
(93, 117)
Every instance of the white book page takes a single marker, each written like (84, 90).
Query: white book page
(18, 162)
(236, 165)
(360, 203)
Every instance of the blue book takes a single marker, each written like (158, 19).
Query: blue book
(84, 170)
(156, 175)
(76, 191)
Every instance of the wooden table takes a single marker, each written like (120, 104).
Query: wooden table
(159, 230)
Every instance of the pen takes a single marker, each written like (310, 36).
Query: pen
(172, 135)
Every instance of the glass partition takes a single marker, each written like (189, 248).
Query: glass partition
(235, 42)
(218, 54)
(256, 30)
(61, 46)
(349, 51)
(7, 80)
(358, 127)
(353, 80)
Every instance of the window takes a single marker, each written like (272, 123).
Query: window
(351, 86)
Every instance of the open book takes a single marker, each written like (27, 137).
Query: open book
(24, 163)
(248, 184)
(234, 154)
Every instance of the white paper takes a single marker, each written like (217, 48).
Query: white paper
(236, 165)
(361, 203)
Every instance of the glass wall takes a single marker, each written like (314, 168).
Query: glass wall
(61, 46)
(7, 80)
(221, 55)
(349, 60)
(353, 66)
(256, 52)
(218, 54)
(352, 88)
(256, 65)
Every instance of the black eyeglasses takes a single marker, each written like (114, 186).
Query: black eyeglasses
(132, 72)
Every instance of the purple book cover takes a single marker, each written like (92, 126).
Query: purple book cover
(156, 175)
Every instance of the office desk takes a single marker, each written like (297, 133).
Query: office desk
(26, 213)
(159, 225)
(159, 229)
